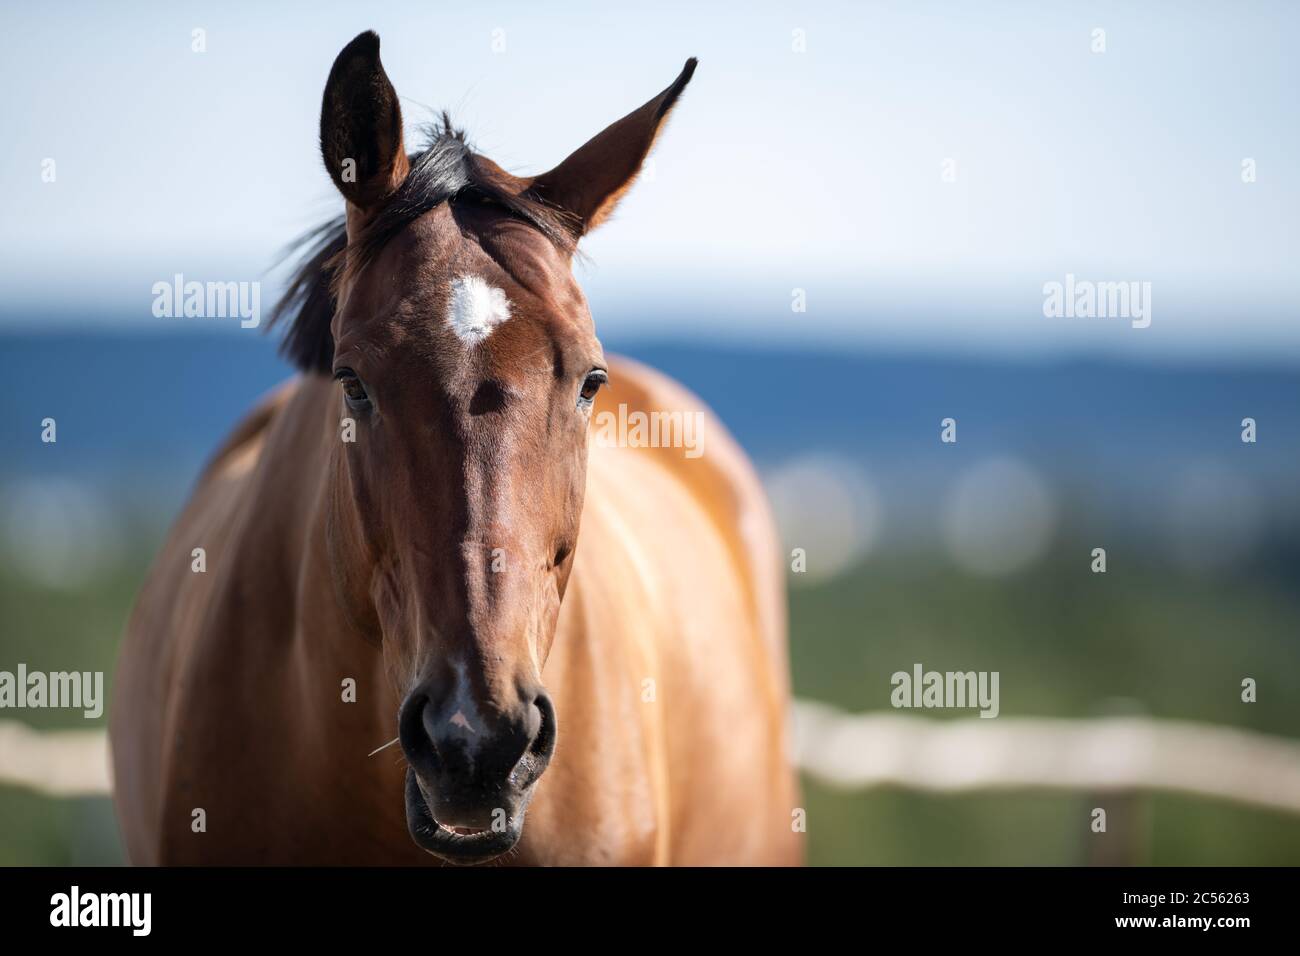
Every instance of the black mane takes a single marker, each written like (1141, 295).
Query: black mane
(446, 170)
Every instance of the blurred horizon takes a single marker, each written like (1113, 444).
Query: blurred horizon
(848, 444)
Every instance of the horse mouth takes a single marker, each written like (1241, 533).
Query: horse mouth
(465, 846)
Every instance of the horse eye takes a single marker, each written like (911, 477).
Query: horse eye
(353, 391)
(591, 385)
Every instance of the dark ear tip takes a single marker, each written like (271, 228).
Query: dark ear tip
(669, 96)
(362, 54)
(363, 44)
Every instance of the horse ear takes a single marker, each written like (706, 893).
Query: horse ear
(593, 179)
(361, 126)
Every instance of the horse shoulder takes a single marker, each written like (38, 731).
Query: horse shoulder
(163, 643)
(719, 475)
(679, 558)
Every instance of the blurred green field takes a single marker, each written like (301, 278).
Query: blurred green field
(1066, 642)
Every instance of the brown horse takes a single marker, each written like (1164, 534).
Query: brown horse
(388, 548)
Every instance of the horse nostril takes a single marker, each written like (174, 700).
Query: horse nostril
(413, 733)
(544, 742)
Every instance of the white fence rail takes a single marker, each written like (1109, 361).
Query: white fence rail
(1104, 754)
(882, 749)
(60, 763)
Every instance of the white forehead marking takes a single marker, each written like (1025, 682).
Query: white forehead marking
(476, 308)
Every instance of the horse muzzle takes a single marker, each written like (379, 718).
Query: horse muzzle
(471, 777)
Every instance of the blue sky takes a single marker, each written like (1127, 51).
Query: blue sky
(819, 170)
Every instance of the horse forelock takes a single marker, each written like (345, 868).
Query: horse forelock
(446, 170)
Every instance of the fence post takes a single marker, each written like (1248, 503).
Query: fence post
(1127, 840)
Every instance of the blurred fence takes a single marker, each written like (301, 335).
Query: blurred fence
(858, 751)
(1098, 755)
(60, 763)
